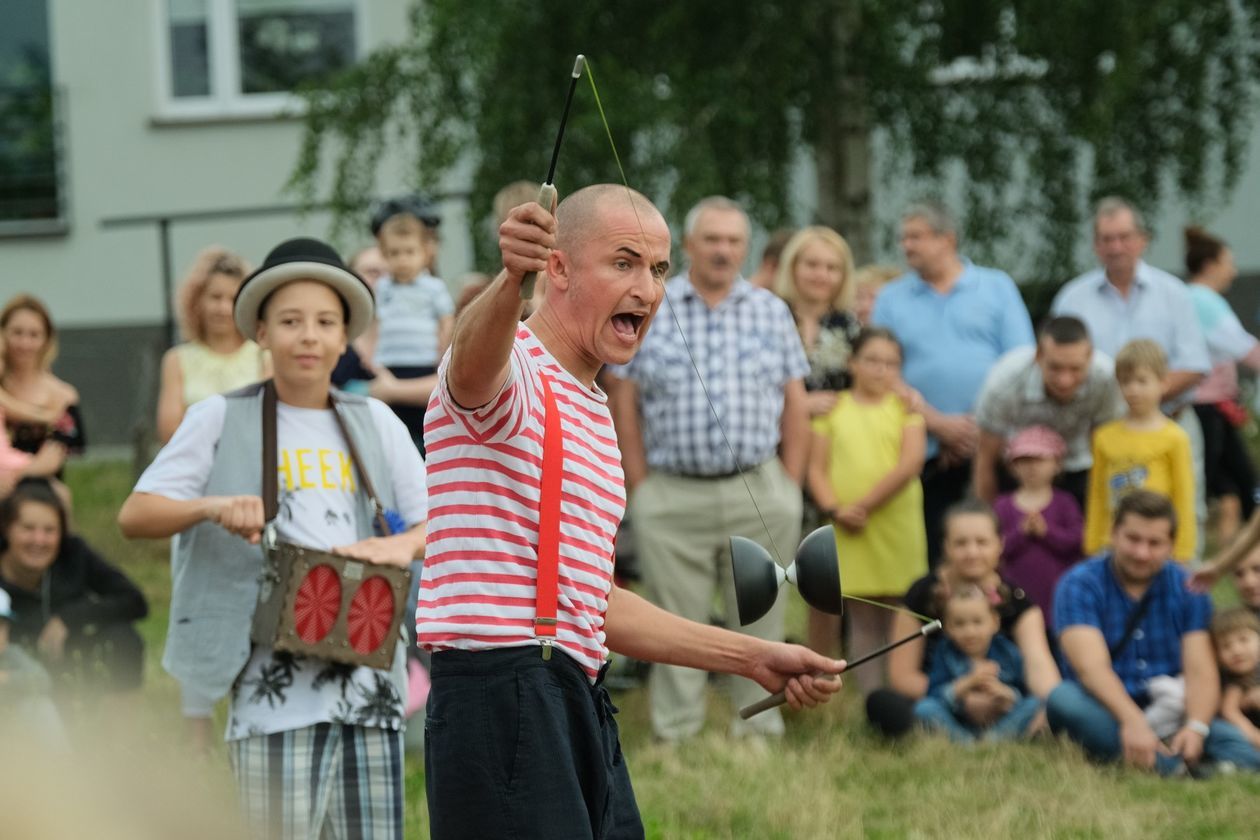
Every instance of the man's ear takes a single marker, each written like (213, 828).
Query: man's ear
(559, 270)
(260, 335)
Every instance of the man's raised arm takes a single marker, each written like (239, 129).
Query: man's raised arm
(482, 344)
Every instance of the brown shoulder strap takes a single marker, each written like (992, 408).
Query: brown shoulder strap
(270, 492)
(270, 463)
(377, 509)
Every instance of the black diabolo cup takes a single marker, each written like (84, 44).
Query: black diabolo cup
(815, 572)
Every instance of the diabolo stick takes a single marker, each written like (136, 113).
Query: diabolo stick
(547, 195)
(781, 698)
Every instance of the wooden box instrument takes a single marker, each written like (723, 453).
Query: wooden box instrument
(319, 604)
(332, 607)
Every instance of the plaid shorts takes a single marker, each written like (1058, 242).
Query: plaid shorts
(322, 782)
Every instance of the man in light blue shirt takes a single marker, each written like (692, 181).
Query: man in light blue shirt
(1126, 299)
(954, 320)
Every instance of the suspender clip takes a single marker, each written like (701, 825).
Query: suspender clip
(546, 650)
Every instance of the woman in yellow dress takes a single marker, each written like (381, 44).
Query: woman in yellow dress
(864, 467)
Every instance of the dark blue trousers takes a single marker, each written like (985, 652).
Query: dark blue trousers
(520, 747)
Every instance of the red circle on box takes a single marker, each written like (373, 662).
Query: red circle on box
(371, 613)
(317, 603)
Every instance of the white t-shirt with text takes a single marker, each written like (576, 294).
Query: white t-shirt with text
(279, 692)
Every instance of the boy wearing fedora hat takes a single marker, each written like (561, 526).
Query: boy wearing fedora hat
(315, 745)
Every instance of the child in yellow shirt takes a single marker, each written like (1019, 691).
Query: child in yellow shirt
(1142, 450)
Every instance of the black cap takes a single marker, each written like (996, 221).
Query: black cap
(412, 204)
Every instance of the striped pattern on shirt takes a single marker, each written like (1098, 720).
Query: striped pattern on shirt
(477, 590)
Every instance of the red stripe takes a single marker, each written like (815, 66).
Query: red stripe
(484, 479)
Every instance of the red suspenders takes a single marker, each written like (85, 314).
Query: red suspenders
(550, 484)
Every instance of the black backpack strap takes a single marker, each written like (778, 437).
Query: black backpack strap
(1130, 627)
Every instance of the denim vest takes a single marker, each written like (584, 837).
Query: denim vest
(215, 574)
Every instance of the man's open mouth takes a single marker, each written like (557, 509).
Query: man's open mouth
(628, 323)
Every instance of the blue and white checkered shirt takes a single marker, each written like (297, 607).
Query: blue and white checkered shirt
(746, 348)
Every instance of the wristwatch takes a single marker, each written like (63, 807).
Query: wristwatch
(1198, 727)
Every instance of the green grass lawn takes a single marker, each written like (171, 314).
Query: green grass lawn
(829, 778)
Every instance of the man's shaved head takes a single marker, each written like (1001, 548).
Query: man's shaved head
(578, 216)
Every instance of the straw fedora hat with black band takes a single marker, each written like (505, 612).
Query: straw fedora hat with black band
(304, 259)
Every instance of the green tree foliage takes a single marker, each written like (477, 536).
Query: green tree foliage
(1033, 106)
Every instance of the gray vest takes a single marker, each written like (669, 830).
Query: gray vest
(215, 574)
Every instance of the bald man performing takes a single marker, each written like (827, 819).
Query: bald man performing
(526, 493)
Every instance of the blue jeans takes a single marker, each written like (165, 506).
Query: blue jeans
(1073, 711)
(935, 714)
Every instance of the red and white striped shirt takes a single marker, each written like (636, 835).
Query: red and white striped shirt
(477, 590)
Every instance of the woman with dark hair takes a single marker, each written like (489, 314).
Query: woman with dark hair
(972, 548)
(73, 608)
(1228, 472)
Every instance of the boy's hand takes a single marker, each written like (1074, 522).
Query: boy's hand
(240, 515)
(383, 551)
(986, 669)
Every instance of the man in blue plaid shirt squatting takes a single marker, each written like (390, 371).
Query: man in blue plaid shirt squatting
(1140, 679)
(719, 332)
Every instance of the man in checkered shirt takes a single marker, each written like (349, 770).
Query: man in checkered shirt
(724, 351)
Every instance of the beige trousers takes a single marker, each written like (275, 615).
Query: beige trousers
(681, 530)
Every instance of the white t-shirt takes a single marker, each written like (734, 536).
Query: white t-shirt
(278, 692)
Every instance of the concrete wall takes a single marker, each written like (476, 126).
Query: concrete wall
(125, 158)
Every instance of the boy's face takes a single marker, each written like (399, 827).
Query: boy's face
(406, 254)
(305, 329)
(1247, 580)
(970, 624)
(1143, 389)
(1239, 651)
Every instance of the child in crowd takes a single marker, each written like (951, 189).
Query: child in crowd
(1247, 581)
(864, 474)
(302, 731)
(1236, 634)
(1041, 525)
(974, 657)
(867, 282)
(1242, 558)
(415, 311)
(25, 689)
(20, 675)
(1142, 450)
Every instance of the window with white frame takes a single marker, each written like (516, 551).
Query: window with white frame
(229, 57)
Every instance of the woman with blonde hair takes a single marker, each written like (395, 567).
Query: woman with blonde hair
(214, 358)
(43, 416)
(815, 279)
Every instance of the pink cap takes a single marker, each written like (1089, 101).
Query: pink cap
(1036, 442)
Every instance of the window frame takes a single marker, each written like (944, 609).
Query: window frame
(225, 100)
